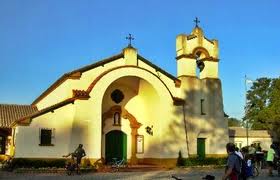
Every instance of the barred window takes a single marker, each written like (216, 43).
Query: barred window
(46, 137)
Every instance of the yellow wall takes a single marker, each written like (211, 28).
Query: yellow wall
(28, 137)
(147, 98)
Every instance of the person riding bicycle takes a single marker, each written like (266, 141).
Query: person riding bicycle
(79, 153)
(71, 164)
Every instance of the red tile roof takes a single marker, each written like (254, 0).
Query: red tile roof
(11, 112)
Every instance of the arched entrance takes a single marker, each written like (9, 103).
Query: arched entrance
(116, 145)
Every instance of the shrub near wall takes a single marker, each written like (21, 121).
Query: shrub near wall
(195, 161)
(29, 163)
(204, 161)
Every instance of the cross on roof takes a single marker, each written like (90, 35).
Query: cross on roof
(196, 22)
(129, 38)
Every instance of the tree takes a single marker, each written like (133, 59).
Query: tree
(263, 105)
(233, 122)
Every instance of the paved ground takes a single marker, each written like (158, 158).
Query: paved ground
(190, 174)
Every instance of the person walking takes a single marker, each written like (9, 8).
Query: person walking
(233, 167)
(270, 159)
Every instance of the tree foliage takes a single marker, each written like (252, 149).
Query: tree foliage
(233, 122)
(263, 105)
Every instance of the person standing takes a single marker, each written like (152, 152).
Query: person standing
(238, 153)
(79, 153)
(269, 159)
(233, 167)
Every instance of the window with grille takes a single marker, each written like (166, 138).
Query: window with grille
(46, 136)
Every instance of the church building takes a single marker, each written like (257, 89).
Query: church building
(126, 107)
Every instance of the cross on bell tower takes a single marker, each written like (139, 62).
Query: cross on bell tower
(129, 38)
(196, 22)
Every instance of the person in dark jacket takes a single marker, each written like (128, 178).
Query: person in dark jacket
(79, 153)
(233, 167)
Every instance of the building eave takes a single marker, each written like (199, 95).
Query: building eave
(76, 74)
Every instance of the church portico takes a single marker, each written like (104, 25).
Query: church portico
(132, 103)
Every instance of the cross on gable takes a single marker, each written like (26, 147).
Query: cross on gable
(196, 22)
(129, 38)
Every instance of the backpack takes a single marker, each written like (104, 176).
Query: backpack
(243, 172)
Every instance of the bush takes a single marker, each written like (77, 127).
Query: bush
(195, 161)
(28, 163)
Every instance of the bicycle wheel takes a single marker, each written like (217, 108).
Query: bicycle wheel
(255, 172)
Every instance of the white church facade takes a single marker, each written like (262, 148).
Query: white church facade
(128, 108)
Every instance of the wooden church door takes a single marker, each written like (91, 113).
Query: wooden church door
(201, 147)
(115, 146)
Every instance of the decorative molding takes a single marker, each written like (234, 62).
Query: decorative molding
(177, 83)
(178, 101)
(200, 49)
(210, 59)
(124, 114)
(76, 75)
(80, 94)
(91, 86)
(190, 56)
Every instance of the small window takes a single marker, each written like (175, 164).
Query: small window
(46, 136)
(202, 107)
(117, 119)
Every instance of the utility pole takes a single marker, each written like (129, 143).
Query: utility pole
(245, 109)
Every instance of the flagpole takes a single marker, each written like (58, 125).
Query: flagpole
(245, 109)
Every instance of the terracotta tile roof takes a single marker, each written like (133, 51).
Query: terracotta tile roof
(12, 112)
(241, 132)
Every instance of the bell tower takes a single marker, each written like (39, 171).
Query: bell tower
(193, 47)
(201, 88)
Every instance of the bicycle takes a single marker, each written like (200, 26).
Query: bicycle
(255, 171)
(8, 164)
(117, 164)
(70, 168)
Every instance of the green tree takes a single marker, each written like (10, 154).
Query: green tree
(233, 122)
(263, 105)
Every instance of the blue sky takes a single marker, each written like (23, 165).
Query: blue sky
(42, 40)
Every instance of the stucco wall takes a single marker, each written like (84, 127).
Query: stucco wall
(64, 90)
(28, 137)
(211, 125)
(264, 142)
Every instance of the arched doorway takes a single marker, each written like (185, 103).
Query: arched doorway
(116, 145)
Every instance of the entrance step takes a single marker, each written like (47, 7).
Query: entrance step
(131, 168)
